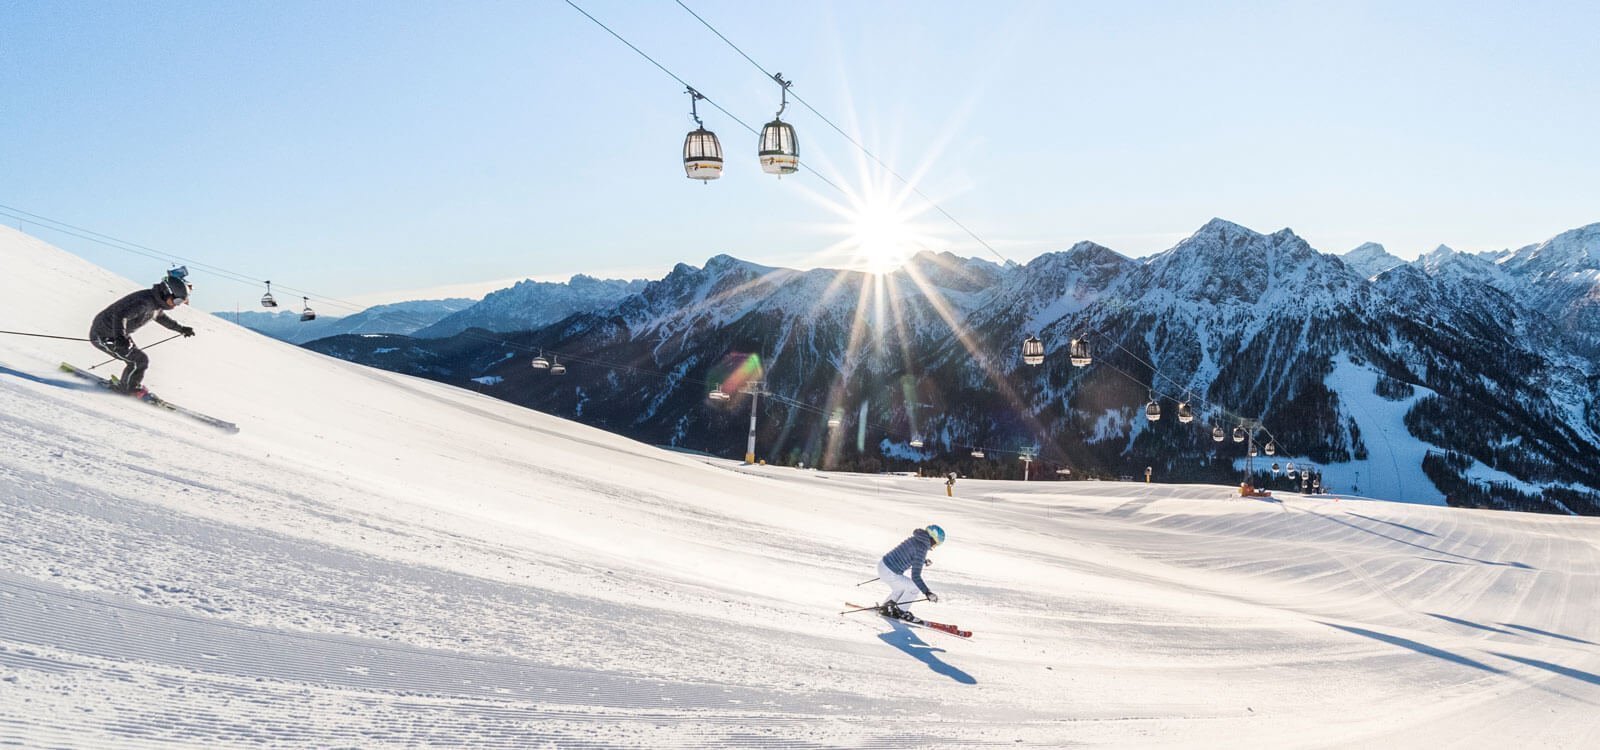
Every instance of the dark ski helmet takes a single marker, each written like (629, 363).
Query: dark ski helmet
(937, 533)
(173, 288)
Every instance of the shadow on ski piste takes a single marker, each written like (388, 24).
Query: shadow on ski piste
(71, 385)
(905, 638)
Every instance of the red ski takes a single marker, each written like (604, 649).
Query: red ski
(914, 620)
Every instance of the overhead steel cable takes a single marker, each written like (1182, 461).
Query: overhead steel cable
(1156, 373)
(150, 252)
(863, 149)
(696, 89)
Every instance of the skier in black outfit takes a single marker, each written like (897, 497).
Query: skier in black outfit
(111, 328)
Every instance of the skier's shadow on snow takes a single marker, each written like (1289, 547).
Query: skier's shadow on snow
(903, 638)
(71, 385)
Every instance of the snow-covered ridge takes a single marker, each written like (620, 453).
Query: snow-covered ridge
(1242, 321)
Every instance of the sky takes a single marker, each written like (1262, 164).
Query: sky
(376, 560)
(357, 149)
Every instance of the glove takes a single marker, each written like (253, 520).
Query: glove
(185, 331)
(932, 597)
(927, 563)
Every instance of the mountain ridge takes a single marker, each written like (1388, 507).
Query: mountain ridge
(1242, 324)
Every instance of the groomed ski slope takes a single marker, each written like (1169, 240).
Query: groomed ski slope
(377, 561)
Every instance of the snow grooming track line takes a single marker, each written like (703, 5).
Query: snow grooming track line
(221, 670)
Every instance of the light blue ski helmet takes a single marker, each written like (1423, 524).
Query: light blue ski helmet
(936, 532)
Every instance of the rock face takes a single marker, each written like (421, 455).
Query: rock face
(1463, 378)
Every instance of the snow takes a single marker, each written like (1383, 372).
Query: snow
(379, 561)
(1394, 455)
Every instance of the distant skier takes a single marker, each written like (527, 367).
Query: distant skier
(911, 555)
(111, 328)
(950, 485)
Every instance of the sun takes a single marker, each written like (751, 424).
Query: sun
(881, 237)
(881, 222)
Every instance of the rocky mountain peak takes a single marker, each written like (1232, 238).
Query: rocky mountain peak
(1370, 259)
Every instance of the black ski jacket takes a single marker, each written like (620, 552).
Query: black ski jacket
(128, 314)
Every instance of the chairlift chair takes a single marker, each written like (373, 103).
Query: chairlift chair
(1270, 448)
(1081, 355)
(1185, 414)
(780, 150)
(1032, 351)
(539, 362)
(916, 442)
(719, 395)
(556, 368)
(834, 420)
(1239, 434)
(266, 299)
(1152, 410)
(702, 153)
(977, 453)
(307, 313)
(1216, 433)
(1275, 467)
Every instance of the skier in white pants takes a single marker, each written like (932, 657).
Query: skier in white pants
(910, 555)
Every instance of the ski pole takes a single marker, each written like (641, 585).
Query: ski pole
(44, 336)
(863, 609)
(863, 583)
(152, 346)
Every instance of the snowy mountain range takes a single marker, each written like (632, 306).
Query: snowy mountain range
(399, 317)
(533, 304)
(1456, 378)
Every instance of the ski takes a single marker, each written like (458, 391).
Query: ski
(153, 400)
(939, 626)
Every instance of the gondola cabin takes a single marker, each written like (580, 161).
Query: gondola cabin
(1032, 351)
(780, 150)
(1081, 355)
(702, 155)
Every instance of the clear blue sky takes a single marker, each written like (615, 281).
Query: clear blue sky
(353, 148)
